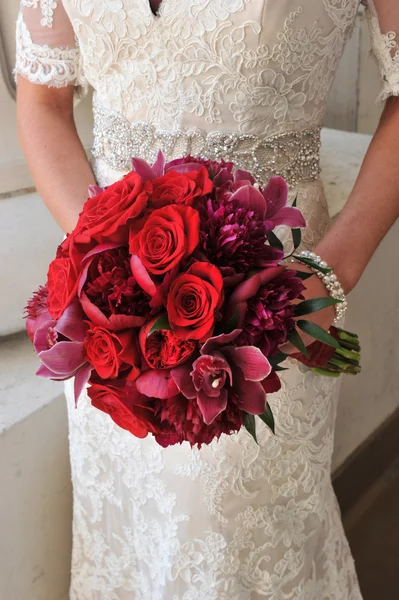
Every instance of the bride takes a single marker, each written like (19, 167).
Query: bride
(232, 521)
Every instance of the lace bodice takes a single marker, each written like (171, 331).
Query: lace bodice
(252, 66)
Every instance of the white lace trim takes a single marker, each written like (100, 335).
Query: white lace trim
(47, 7)
(385, 49)
(42, 64)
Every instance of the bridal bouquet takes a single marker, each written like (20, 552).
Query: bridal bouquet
(170, 299)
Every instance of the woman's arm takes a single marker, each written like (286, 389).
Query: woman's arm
(55, 155)
(372, 207)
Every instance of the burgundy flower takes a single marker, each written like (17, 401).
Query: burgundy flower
(225, 374)
(109, 292)
(191, 163)
(234, 236)
(181, 420)
(36, 311)
(265, 307)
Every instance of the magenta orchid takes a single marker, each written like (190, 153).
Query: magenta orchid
(225, 373)
(59, 346)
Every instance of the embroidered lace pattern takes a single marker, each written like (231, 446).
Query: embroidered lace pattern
(233, 521)
(56, 67)
(386, 53)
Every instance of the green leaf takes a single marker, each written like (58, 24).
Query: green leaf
(318, 333)
(303, 275)
(296, 237)
(295, 202)
(313, 305)
(232, 323)
(311, 263)
(268, 418)
(250, 425)
(295, 339)
(275, 241)
(277, 358)
(161, 323)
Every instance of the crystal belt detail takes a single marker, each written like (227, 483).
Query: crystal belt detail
(294, 155)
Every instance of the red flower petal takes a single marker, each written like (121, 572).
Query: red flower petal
(249, 197)
(276, 196)
(219, 340)
(211, 407)
(81, 378)
(142, 276)
(252, 396)
(182, 378)
(290, 217)
(272, 383)
(157, 384)
(250, 360)
(64, 358)
(71, 323)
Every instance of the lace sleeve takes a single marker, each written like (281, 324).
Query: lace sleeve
(383, 16)
(47, 51)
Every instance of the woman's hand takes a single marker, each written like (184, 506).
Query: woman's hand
(315, 288)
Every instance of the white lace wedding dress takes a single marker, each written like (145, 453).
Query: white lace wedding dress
(247, 80)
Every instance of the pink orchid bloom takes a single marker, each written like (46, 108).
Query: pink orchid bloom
(59, 346)
(271, 204)
(148, 172)
(225, 373)
(277, 211)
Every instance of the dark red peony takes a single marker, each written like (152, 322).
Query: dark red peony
(168, 235)
(105, 216)
(163, 349)
(233, 237)
(265, 307)
(181, 420)
(108, 291)
(194, 297)
(180, 188)
(112, 354)
(125, 405)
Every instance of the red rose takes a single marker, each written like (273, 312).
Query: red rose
(193, 299)
(112, 353)
(125, 405)
(62, 282)
(105, 216)
(163, 349)
(180, 188)
(169, 235)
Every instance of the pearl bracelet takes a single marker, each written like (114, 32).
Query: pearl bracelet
(330, 281)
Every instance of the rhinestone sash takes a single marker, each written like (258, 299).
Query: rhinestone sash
(293, 155)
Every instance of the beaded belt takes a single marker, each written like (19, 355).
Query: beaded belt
(293, 155)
